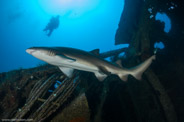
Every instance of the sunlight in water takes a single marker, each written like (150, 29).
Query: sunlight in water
(62, 6)
(83, 24)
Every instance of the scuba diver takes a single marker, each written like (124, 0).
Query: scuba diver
(53, 24)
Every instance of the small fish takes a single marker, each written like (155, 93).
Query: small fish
(68, 59)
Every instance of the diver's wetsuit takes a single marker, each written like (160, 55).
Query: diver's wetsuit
(53, 24)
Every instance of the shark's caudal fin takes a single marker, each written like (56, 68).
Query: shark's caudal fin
(138, 70)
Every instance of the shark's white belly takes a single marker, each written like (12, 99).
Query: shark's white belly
(74, 65)
(80, 66)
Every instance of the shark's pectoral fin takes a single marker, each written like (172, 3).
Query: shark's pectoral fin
(67, 58)
(104, 71)
(100, 76)
(67, 71)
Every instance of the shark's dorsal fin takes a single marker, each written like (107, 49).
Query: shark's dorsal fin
(118, 62)
(95, 51)
(67, 71)
(67, 58)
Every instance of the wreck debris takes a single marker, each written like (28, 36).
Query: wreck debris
(76, 111)
(141, 46)
(112, 53)
(163, 96)
(128, 24)
(48, 104)
(43, 100)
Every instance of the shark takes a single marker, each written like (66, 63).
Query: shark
(70, 59)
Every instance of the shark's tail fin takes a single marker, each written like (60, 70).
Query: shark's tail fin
(138, 70)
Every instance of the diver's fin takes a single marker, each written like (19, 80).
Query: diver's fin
(67, 58)
(104, 70)
(100, 76)
(67, 71)
(138, 70)
(118, 62)
(95, 51)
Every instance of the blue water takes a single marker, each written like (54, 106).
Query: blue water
(84, 24)
(162, 17)
(159, 45)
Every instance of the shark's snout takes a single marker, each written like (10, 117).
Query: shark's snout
(30, 51)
